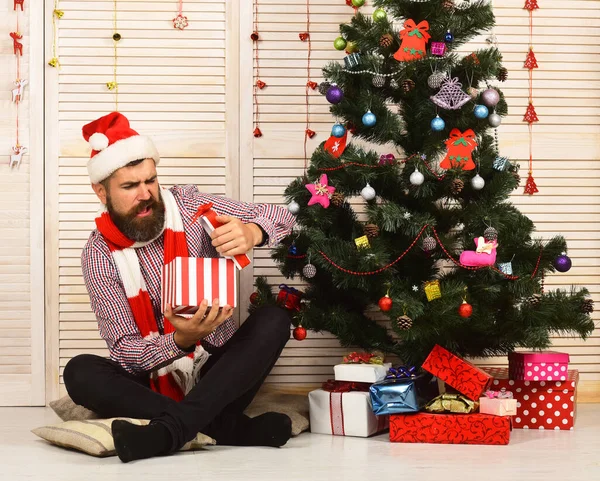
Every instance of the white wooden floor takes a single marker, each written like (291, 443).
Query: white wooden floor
(531, 456)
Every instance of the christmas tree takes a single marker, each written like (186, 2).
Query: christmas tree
(438, 248)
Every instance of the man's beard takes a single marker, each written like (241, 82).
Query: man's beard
(140, 229)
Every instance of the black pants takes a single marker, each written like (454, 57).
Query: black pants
(228, 382)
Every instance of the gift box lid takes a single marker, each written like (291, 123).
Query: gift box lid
(537, 357)
(501, 377)
(460, 374)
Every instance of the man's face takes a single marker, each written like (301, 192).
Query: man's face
(132, 198)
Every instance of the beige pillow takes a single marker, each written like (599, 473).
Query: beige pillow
(267, 399)
(95, 437)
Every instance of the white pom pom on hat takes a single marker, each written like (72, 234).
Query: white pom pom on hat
(98, 141)
(115, 144)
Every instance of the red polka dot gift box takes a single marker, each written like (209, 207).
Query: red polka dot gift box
(538, 366)
(540, 404)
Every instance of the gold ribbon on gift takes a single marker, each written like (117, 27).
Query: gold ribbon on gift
(451, 403)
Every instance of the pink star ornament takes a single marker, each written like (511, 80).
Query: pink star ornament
(321, 192)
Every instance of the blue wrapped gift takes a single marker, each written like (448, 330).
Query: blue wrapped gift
(395, 396)
(402, 392)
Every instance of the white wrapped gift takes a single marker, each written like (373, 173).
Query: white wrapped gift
(361, 372)
(344, 414)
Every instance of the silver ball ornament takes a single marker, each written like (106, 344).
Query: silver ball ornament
(309, 271)
(368, 192)
(436, 79)
(495, 120)
(416, 178)
(490, 234)
(477, 182)
(490, 97)
(293, 207)
(378, 81)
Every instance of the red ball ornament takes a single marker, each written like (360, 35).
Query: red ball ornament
(385, 303)
(299, 333)
(254, 298)
(465, 309)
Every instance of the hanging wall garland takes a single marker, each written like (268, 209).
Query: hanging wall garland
(310, 85)
(57, 14)
(259, 85)
(18, 91)
(530, 115)
(113, 85)
(180, 21)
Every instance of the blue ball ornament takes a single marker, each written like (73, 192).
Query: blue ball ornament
(438, 124)
(369, 119)
(449, 38)
(338, 130)
(481, 111)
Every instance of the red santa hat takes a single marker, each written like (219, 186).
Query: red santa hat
(114, 144)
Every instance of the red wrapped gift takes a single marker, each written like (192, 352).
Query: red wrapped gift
(449, 428)
(456, 372)
(188, 280)
(541, 404)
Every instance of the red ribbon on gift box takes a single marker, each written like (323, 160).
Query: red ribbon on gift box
(208, 217)
(332, 385)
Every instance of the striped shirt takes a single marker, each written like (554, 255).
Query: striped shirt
(107, 293)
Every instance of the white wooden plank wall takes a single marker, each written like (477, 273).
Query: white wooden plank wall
(566, 141)
(21, 232)
(172, 87)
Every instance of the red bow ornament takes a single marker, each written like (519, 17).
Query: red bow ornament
(414, 40)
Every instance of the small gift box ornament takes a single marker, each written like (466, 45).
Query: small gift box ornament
(387, 159)
(289, 297)
(500, 163)
(362, 242)
(352, 60)
(432, 290)
(438, 48)
(506, 268)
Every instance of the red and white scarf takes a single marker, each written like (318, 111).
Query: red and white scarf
(177, 378)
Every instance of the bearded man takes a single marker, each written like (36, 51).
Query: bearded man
(187, 375)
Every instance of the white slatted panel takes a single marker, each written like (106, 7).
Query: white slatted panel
(566, 142)
(21, 245)
(172, 87)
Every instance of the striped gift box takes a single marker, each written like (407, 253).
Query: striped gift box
(188, 280)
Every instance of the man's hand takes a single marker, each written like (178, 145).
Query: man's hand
(189, 331)
(234, 237)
